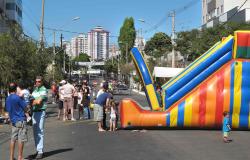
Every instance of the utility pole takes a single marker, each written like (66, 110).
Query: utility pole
(42, 27)
(126, 53)
(173, 37)
(61, 39)
(64, 61)
(54, 54)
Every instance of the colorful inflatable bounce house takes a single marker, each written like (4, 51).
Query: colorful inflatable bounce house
(217, 81)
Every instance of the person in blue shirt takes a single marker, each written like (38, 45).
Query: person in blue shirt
(17, 107)
(226, 127)
(102, 101)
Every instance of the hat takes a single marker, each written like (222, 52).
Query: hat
(63, 82)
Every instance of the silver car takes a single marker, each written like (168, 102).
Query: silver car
(122, 89)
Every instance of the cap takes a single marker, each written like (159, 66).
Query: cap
(63, 82)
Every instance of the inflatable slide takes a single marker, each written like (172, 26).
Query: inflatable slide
(218, 81)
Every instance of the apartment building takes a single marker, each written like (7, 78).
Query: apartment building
(219, 11)
(10, 13)
(79, 45)
(98, 44)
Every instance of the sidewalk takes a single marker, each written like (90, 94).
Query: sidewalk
(139, 92)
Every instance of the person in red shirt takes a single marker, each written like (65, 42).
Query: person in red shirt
(54, 92)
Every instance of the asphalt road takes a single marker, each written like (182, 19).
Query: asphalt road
(81, 140)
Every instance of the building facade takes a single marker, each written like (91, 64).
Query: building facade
(114, 51)
(140, 43)
(78, 45)
(10, 13)
(219, 11)
(98, 44)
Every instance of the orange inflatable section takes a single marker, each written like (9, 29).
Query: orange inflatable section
(134, 113)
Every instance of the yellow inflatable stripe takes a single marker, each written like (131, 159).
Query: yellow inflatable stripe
(174, 116)
(249, 120)
(237, 94)
(201, 60)
(152, 97)
(235, 45)
(188, 112)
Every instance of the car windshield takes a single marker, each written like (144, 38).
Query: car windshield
(122, 86)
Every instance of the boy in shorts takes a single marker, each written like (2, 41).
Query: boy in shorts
(17, 107)
(226, 127)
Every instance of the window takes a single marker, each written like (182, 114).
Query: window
(19, 12)
(222, 9)
(10, 6)
(218, 11)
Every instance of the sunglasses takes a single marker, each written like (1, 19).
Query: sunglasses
(38, 81)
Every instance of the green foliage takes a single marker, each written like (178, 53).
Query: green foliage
(151, 64)
(19, 59)
(126, 38)
(83, 57)
(194, 43)
(110, 66)
(158, 45)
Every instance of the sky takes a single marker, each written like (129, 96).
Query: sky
(110, 14)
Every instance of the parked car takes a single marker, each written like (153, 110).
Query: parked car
(122, 89)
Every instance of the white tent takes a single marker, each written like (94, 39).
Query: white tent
(166, 72)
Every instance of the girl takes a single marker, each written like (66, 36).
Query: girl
(113, 115)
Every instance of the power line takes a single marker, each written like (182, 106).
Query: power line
(177, 11)
(235, 13)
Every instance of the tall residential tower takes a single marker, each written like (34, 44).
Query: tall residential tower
(98, 44)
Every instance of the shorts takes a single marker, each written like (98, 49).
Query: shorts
(67, 103)
(225, 134)
(98, 113)
(19, 132)
(60, 104)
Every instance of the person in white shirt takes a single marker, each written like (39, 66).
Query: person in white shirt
(69, 91)
(60, 102)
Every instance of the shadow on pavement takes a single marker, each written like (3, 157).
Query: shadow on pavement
(50, 153)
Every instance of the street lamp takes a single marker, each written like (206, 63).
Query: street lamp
(73, 19)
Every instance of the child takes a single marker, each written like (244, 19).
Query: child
(113, 112)
(226, 127)
(158, 94)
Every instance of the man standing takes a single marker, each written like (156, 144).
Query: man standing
(16, 107)
(102, 102)
(69, 91)
(40, 95)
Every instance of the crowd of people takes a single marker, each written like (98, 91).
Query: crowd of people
(74, 100)
(26, 107)
(29, 107)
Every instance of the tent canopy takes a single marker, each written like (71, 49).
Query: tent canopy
(166, 72)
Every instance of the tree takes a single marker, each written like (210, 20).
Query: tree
(83, 57)
(194, 43)
(126, 38)
(110, 66)
(158, 45)
(188, 42)
(19, 60)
